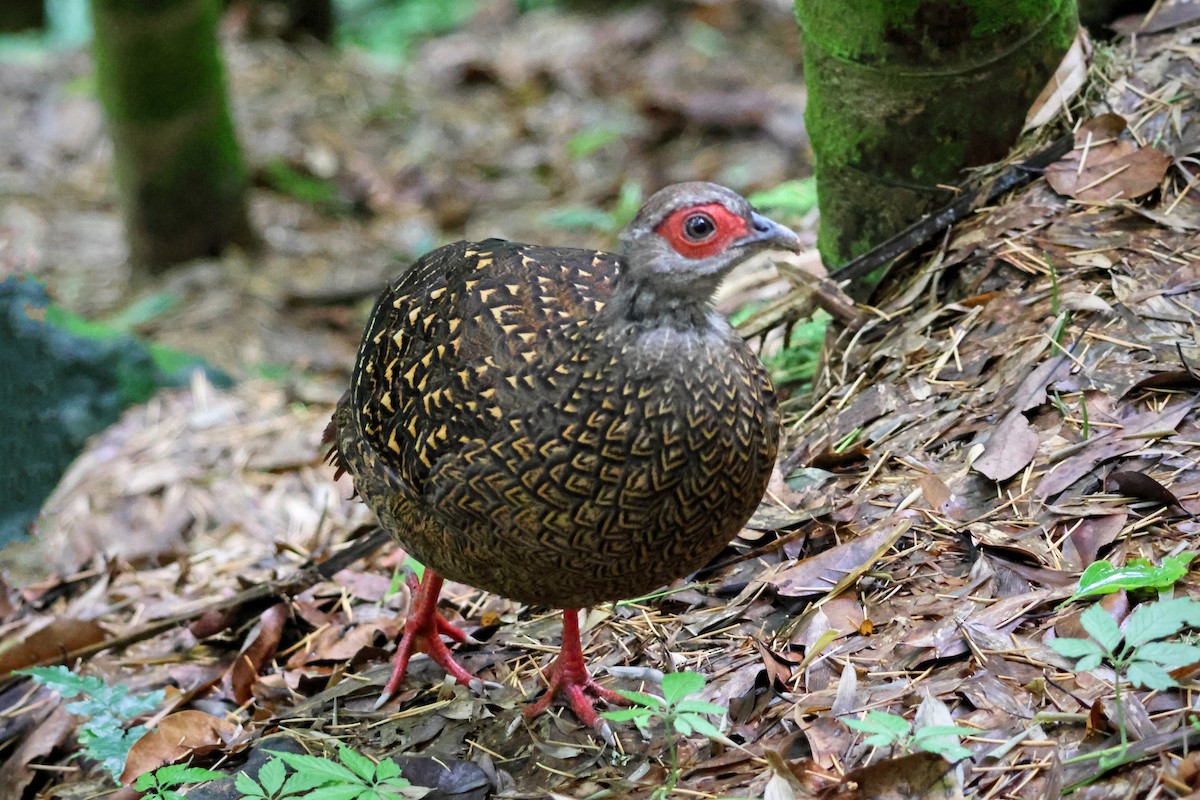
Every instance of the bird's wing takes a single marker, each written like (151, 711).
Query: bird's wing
(470, 338)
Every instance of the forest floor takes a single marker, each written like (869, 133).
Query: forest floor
(1018, 407)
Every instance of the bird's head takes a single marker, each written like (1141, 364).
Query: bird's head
(688, 236)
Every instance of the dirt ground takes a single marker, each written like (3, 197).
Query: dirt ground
(959, 460)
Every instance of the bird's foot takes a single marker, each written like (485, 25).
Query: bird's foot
(568, 676)
(576, 692)
(423, 631)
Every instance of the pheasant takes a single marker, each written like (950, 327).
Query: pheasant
(561, 426)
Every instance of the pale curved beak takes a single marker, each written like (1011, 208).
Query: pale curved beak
(768, 233)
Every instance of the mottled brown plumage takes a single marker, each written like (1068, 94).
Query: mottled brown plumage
(561, 426)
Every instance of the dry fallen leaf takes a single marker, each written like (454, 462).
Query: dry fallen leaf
(1104, 167)
(177, 736)
(1064, 84)
(837, 566)
(1012, 446)
(49, 734)
(258, 651)
(1140, 486)
(1134, 433)
(48, 643)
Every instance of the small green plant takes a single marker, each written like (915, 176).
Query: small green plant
(680, 714)
(1054, 298)
(1084, 425)
(390, 31)
(1101, 577)
(629, 200)
(106, 710)
(894, 731)
(589, 140)
(798, 361)
(1137, 654)
(161, 784)
(793, 198)
(297, 183)
(318, 778)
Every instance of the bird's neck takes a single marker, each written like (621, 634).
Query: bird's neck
(642, 299)
(637, 302)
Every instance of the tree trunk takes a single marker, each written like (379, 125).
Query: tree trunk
(176, 158)
(903, 95)
(22, 15)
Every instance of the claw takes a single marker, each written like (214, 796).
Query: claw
(568, 676)
(423, 631)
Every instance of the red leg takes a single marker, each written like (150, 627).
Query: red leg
(568, 675)
(422, 632)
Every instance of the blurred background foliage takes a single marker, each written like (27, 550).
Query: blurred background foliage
(386, 29)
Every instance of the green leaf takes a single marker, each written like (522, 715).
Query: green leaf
(344, 791)
(247, 785)
(147, 780)
(386, 769)
(58, 678)
(111, 749)
(626, 714)
(881, 740)
(1160, 619)
(176, 774)
(300, 782)
(1101, 627)
(578, 217)
(629, 200)
(880, 722)
(944, 730)
(417, 567)
(792, 197)
(1150, 676)
(699, 707)
(358, 763)
(396, 781)
(1088, 663)
(142, 311)
(682, 726)
(588, 141)
(316, 766)
(947, 747)
(1075, 648)
(272, 775)
(1169, 654)
(706, 728)
(1101, 577)
(281, 176)
(646, 700)
(678, 685)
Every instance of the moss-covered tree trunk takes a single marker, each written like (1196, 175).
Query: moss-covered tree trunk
(22, 15)
(176, 158)
(905, 94)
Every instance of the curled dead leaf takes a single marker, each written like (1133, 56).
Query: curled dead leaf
(177, 736)
(1011, 447)
(1140, 486)
(50, 642)
(1104, 167)
(261, 648)
(828, 572)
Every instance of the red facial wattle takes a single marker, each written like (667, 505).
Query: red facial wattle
(728, 227)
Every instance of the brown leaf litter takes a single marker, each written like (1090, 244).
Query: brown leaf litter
(1000, 398)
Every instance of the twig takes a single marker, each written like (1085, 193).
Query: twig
(306, 576)
(970, 198)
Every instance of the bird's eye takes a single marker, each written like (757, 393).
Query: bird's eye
(698, 227)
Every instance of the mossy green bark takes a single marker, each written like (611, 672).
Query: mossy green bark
(22, 15)
(175, 154)
(905, 94)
